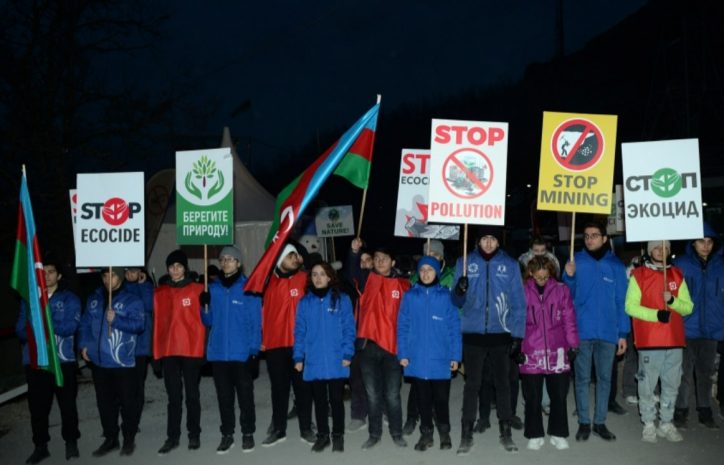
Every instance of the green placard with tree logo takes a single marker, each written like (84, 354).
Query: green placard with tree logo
(204, 197)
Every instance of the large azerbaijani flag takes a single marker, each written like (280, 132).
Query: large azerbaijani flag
(349, 157)
(28, 279)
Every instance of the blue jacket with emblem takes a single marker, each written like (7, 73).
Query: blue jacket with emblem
(598, 289)
(234, 322)
(428, 332)
(706, 286)
(494, 301)
(144, 291)
(115, 348)
(65, 312)
(324, 335)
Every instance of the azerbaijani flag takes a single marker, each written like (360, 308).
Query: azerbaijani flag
(349, 157)
(28, 279)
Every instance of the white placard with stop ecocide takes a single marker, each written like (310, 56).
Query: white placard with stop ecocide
(468, 168)
(110, 223)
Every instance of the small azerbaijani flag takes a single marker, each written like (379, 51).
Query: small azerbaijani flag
(28, 279)
(349, 157)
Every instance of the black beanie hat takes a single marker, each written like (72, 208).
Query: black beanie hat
(177, 256)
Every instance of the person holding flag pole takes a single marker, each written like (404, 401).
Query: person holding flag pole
(47, 322)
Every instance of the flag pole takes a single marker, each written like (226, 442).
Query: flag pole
(110, 295)
(206, 275)
(573, 235)
(663, 249)
(364, 192)
(465, 250)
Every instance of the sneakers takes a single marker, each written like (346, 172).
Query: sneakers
(409, 427)
(370, 443)
(425, 442)
(194, 443)
(168, 446)
(275, 437)
(516, 422)
(481, 425)
(39, 453)
(583, 433)
(602, 432)
(466, 444)
(227, 442)
(71, 450)
(321, 443)
(559, 443)
(129, 446)
(649, 432)
(399, 441)
(247, 443)
(445, 441)
(535, 443)
(308, 436)
(356, 425)
(669, 432)
(632, 400)
(337, 444)
(107, 446)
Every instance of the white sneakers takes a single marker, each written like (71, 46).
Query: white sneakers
(669, 431)
(559, 442)
(535, 443)
(632, 400)
(649, 433)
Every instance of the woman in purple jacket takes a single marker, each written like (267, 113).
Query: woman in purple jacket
(548, 350)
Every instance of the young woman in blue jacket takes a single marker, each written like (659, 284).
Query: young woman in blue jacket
(324, 334)
(429, 347)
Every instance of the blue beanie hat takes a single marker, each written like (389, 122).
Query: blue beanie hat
(429, 260)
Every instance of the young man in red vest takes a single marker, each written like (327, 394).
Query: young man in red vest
(657, 307)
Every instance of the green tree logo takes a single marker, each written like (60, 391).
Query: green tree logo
(666, 182)
(204, 171)
(333, 215)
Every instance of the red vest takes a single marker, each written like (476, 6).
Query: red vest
(177, 326)
(279, 310)
(379, 306)
(649, 334)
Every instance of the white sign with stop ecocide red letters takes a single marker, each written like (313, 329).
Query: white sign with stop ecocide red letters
(467, 172)
(110, 220)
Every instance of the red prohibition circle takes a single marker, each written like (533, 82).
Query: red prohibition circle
(567, 160)
(115, 211)
(467, 174)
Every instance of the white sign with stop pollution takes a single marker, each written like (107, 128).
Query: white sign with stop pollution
(468, 168)
(110, 220)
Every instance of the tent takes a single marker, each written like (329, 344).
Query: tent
(253, 214)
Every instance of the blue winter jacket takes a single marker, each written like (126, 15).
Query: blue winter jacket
(706, 286)
(65, 312)
(234, 319)
(599, 293)
(324, 336)
(117, 348)
(494, 302)
(144, 291)
(428, 332)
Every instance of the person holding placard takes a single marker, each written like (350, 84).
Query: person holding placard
(107, 339)
(657, 299)
(703, 268)
(597, 281)
(490, 293)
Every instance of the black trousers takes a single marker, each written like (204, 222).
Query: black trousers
(142, 369)
(116, 392)
(431, 394)
(182, 374)
(487, 390)
(382, 376)
(283, 376)
(475, 358)
(557, 387)
(41, 389)
(358, 402)
(329, 392)
(234, 380)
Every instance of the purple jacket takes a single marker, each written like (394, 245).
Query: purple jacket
(550, 329)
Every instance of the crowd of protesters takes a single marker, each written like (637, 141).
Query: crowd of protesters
(508, 326)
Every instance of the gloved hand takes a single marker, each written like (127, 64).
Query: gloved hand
(204, 298)
(516, 355)
(572, 354)
(663, 316)
(462, 286)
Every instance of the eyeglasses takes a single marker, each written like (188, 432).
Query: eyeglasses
(592, 236)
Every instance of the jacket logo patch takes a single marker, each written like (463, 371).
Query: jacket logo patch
(673, 286)
(396, 294)
(236, 302)
(502, 269)
(93, 304)
(294, 292)
(473, 268)
(186, 302)
(437, 318)
(607, 279)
